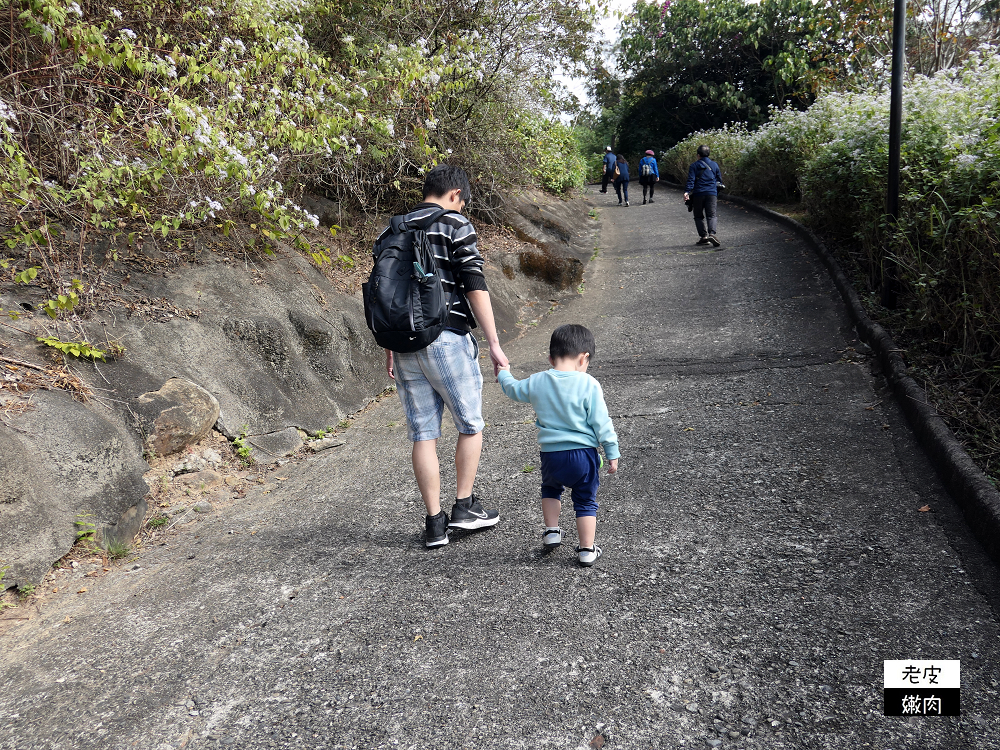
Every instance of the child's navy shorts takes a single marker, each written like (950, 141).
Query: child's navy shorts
(578, 469)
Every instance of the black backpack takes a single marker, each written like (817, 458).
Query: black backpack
(404, 301)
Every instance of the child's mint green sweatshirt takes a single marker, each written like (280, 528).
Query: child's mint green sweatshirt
(569, 407)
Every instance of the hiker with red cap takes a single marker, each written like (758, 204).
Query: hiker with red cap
(649, 175)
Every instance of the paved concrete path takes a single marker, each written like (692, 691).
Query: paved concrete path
(764, 553)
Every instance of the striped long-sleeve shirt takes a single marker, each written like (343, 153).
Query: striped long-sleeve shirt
(453, 239)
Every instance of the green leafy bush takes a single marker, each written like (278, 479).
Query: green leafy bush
(208, 121)
(551, 149)
(145, 122)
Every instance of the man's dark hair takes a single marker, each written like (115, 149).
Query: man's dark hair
(443, 179)
(704, 150)
(570, 340)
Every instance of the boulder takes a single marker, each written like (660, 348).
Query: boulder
(123, 530)
(280, 349)
(177, 415)
(327, 211)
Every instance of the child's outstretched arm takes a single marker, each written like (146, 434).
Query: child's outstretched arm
(513, 388)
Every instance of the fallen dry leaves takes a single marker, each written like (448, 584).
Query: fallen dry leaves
(22, 378)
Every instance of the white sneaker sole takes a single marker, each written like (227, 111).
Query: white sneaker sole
(437, 543)
(478, 523)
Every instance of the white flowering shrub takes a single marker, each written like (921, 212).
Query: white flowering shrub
(556, 162)
(726, 146)
(147, 119)
(946, 245)
(155, 131)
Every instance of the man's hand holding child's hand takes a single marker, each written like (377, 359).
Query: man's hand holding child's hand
(612, 466)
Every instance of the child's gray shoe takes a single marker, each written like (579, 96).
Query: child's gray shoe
(588, 555)
(551, 537)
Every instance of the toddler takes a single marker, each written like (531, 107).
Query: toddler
(573, 422)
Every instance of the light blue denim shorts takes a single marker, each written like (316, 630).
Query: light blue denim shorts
(446, 373)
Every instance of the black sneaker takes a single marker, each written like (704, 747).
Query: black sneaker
(468, 513)
(437, 530)
(714, 240)
(644, 202)
(703, 241)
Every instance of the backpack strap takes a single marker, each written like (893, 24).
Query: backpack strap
(704, 168)
(398, 224)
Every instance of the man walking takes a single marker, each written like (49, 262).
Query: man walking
(702, 190)
(649, 175)
(446, 373)
(609, 168)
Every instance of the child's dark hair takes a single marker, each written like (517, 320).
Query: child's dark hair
(443, 179)
(570, 340)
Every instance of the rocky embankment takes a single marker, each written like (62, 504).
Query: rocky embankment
(264, 352)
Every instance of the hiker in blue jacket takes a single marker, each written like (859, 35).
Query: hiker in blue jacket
(621, 179)
(649, 175)
(609, 168)
(702, 189)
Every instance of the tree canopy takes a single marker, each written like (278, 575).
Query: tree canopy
(693, 64)
(689, 65)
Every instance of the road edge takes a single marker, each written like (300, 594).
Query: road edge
(967, 484)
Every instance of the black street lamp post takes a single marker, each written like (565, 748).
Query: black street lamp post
(896, 105)
(889, 275)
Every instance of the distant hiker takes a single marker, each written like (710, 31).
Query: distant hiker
(446, 372)
(621, 179)
(702, 189)
(649, 175)
(573, 423)
(608, 167)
